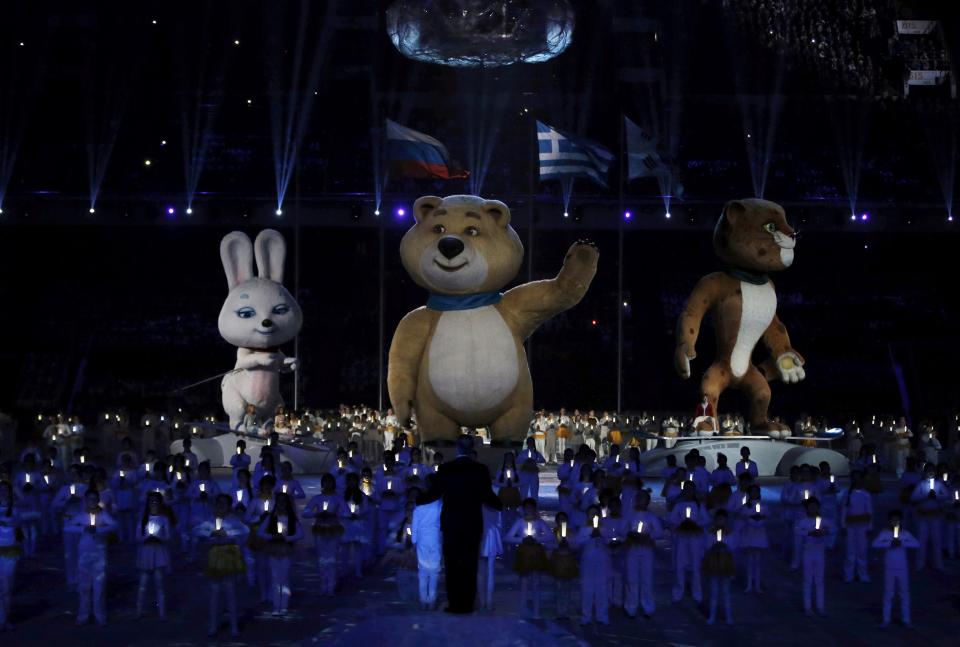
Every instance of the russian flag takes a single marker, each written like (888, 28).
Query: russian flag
(414, 154)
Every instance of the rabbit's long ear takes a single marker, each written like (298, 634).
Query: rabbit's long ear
(270, 250)
(236, 252)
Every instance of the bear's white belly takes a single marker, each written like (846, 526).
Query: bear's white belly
(473, 362)
(757, 311)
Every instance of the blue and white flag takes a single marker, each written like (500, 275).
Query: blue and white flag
(642, 157)
(564, 156)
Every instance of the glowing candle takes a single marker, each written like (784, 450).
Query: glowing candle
(945, 477)
(350, 453)
(187, 462)
(931, 484)
(93, 519)
(219, 523)
(896, 531)
(238, 451)
(239, 496)
(640, 527)
(179, 476)
(203, 487)
(83, 459)
(508, 475)
(806, 494)
(266, 505)
(563, 529)
(353, 507)
(617, 459)
(389, 484)
(46, 479)
(956, 495)
(284, 488)
(409, 531)
(279, 527)
(414, 471)
(744, 500)
(436, 468)
(688, 512)
(340, 463)
(690, 477)
(326, 504)
(571, 463)
(170, 469)
(817, 523)
(596, 522)
(627, 467)
(27, 477)
(833, 479)
(719, 535)
(73, 490)
(123, 474)
(384, 467)
(529, 529)
(757, 507)
(152, 528)
(874, 457)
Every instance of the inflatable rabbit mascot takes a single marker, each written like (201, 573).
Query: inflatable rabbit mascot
(258, 316)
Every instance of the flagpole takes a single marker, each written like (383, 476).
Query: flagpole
(534, 156)
(620, 305)
(296, 285)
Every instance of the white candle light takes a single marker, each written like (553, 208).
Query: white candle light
(152, 528)
(806, 494)
(187, 462)
(563, 529)
(46, 479)
(219, 523)
(353, 507)
(239, 496)
(744, 500)
(266, 505)
(874, 459)
(179, 476)
(529, 529)
(688, 512)
(508, 475)
(73, 490)
(946, 477)
(640, 527)
(436, 468)
(757, 507)
(279, 527)
(203, 487)
(414, 471)
(83, 459)
(284, 488)
(719, 535)
(409, 531)
(603, 512)
(27, 477)
(932, 484)
(389, 484)
(833, 479)
(238, 451)
(93, 519)
(326, 504)
(596, 522)
(896, 531)
(817, 523)
(340, 463)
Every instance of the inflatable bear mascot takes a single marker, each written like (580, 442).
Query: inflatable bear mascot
(751, 239)
(258, 316)
(459, 361)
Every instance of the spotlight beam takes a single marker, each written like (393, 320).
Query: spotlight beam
(291, 103)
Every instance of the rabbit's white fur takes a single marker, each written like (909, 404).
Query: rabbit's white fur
(258, 316)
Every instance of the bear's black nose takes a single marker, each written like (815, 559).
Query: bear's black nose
(450, 246)
(266, 323)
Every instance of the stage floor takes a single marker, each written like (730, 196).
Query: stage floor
(370, 611)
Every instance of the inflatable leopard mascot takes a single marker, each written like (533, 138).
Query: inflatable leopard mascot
(751, 239)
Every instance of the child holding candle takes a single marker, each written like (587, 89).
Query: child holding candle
(530, 459)
(153, 558)
(722, 473)
(895, 540)
(224, 534)
(190, 461)
(563, 563)
(792, 503)
(49, 485)
(124, 486)
(390, 489)
(491, 547)
(94, 526)
(416, 471)
(826, 490)
(856, 513)
(507, 483)
(753, 540)
(718, 565)
(673, 487)
(425, 535)
(529, 533)
(27, 502)
(242, 492)
(402, 554)
(325, 509)
(614, 527)
(687, 519)
(594, 570)
(264, 467)
(566, 474)
(354, 511)
(930, 496)
(10, 551)
(281, 531)
(286, 484)
(644, 529)
(68, 503)
(259, 510)
(816, 535)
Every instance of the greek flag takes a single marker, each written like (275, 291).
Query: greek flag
(564, 156)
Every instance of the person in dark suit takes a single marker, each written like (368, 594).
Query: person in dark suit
(464, 486)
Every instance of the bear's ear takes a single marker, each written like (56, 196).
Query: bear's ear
(424, 206)
(498, 211)
(733, 210)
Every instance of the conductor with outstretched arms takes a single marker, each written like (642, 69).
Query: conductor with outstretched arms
(464, 486)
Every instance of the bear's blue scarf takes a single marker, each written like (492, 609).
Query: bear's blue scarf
(448, 302)
(757, 278)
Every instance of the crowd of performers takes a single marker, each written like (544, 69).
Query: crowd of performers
(602, 541)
